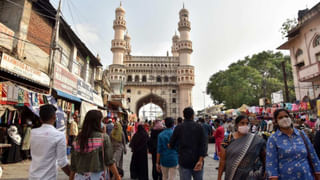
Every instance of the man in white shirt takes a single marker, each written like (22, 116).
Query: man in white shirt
(48, 147)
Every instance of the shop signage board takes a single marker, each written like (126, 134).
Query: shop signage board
(85, 90)
(64, 80)
(11, 64)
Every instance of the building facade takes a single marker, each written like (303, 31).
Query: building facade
(166, 81)
(26, 33)
(304, 45)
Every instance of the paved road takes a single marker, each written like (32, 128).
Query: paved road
(20, 170)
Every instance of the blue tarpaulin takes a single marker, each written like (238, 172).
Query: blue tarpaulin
(68, 96)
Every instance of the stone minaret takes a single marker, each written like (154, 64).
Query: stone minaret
(185, 70)
(174, 47)
(118, 48)
(127, 38)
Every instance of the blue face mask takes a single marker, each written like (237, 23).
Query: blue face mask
(102, 125)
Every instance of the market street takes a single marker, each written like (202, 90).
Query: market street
(10, 170)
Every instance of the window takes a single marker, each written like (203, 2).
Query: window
(174, 110)
(136, 78)
(173, 79)
(318, 56)
(300, 65)
(316, 41)
(128, 100)
(174, 100)
(166, 79)
(76, 68)
(174, 91)
(158, 78)
(129, 78)
(299, 53)
(128, 90)
(144, 78)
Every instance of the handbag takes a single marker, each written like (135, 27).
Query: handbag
(308, 151)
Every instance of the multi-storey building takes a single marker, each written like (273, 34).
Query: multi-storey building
(304, 45)
(26, 33)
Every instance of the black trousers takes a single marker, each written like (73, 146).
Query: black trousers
(155, 174)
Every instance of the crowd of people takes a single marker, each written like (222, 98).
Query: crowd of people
(247, 148)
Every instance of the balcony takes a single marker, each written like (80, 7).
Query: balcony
(309, 73)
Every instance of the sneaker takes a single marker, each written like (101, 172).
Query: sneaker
(215, 157)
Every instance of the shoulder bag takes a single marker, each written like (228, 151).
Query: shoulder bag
(308, 151)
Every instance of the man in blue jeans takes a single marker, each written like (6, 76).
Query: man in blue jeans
(190, 139)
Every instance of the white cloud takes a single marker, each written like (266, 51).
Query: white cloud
(87, 33)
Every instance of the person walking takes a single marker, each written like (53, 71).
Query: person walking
(192, 146)
(139, 159)
(218, 136)
(167, 159)
(207, 131)
(119, 144)
(242, 154)
(92, 151)
(48, 147)
(153, 143)
(290, 154)
(74, 127)
(109, 126)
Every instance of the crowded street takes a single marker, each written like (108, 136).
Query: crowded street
(19, 171)
(159, 89)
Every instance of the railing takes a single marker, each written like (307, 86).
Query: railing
(307, 73)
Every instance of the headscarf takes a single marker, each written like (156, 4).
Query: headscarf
(158, 125)
(14, 135)
(140, 139)
(116, 132)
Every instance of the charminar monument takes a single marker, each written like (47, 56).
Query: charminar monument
(166, 81)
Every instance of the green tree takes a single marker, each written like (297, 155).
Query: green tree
(245, 81)
(287, 26)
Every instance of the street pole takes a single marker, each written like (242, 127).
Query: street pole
(285, 81)
(54, 47)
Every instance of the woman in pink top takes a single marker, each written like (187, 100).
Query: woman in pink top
(218, 135)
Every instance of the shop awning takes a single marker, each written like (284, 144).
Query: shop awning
(68, 96)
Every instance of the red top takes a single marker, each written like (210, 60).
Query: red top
(219, 134)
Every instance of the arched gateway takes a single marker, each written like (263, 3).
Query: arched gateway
(166, 81)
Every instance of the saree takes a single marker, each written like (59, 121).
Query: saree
(245, 158)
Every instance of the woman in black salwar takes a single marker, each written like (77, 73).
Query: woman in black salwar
(139, 159)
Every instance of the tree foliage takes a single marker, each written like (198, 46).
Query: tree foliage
(287, 26)
(247, 80)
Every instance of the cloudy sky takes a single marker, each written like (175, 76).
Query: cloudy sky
(223, 31)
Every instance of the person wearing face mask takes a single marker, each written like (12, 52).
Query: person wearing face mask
(290, 154)
(242, 154)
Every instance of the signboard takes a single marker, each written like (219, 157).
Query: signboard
(85, 91)
(6, 37)
(13, 65)
(64, 80)
(98, 100)
(277, 97)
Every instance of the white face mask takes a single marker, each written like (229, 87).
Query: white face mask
(243, 129)
(284, 122)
